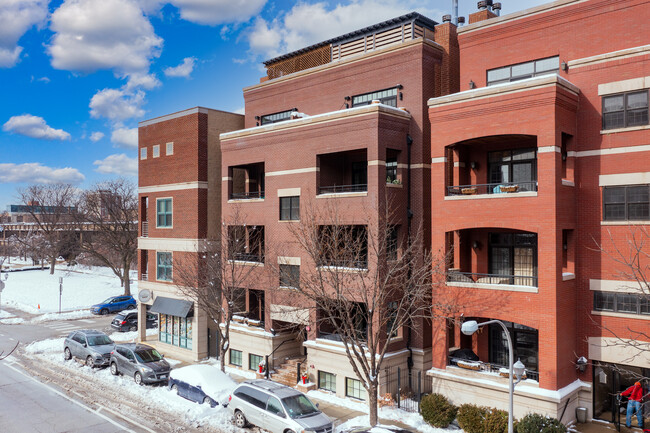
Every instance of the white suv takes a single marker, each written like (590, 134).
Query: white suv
(276, 408)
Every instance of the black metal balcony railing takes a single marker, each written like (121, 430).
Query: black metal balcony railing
(145, 229)
(488, 367)
(248, 257)
(144, 276)
(339, 189)
(246, 195)
(352, 264)
(476, 278)
(492, 188)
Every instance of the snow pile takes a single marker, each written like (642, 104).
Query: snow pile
(82, 287)
(70, 315)
(213, 381)
(131, 336)
(13, 321)
(406, 418)
(158, 396)
(5, 314)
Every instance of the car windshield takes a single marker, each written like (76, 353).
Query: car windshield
(107, 301)
(299, 406)
(148, 355)
(98, 340)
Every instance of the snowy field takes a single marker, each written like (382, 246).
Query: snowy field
(82, 287)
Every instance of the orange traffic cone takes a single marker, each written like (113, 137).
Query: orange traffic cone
(39, 306)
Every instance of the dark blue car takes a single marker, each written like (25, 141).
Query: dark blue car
(113, 305)
(202, 384)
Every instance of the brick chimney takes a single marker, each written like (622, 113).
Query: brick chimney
(448, 77)
(484, 12)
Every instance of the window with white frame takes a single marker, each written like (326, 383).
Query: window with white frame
(164, 212)
(143, 153)
(156, 151)
(164, 266)
(169, 150)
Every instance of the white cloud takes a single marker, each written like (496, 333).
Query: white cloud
(34, 172)
(119, 164)
(306, 24)
(125, 137)
(214, 12)
(90, 35)
(143, 81)
(182, 70)
(16, 17)
(117, 104)
(35, 127)
(96, 136)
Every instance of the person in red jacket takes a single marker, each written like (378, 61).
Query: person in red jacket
(634, 394)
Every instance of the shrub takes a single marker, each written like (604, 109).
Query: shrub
(482, 419)
(496, 421)
(471, 418)
(536, 423)
(437, 410)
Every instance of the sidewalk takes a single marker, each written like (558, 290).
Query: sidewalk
(604, 427)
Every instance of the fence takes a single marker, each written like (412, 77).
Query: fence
(403, 389)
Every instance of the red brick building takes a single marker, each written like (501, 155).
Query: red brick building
(179, 174)
(540, 157)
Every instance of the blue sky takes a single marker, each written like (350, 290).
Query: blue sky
(76, 76)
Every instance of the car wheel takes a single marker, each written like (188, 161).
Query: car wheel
(104, 311)
(133, 328)
(207, 400)
(66, 354)
(114, 370)
(130, 307)
(289, 431)
(89, 361)
(138, 378)
(175, 389)
(240, 419)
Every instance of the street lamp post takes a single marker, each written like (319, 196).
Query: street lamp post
(518, 368)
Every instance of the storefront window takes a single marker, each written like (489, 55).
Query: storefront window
(175, 330)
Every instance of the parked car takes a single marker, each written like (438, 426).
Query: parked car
(91, 345)
(202, 384)
(113, 305)
(276, 408)
(141, 362)
(128, 321)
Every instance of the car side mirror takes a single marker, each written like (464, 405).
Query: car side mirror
(317, 405)
(85, 345)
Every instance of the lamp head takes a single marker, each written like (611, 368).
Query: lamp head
(519, 369)
(469, 327)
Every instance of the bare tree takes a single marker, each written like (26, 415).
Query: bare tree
(216, 279)
(365, 284)
(109, 212)
(32, 244)
(632, 259)
(50, 207)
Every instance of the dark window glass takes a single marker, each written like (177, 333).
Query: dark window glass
(164, 266)
(626, 109)
(644, 305)
(391, 170)
(353, 388)
(626, 303)
(327, 381)
(386, 97)
(513, 258)
(290, 276)
(236, 357)
(252, 396)
(360, 173)
(604, 301)
(290, 208)
(626, 203)
(254, 361)
(392, 242)
(164, 212)
(525, 342)
(275, 407)
(517, 166)
(523, 70)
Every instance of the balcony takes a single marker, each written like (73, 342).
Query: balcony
(246, 182)
(145, 229)
(343, 172)
(492, 188)
(491, 258)
(248, 257)
(246, 243)
(455, 276)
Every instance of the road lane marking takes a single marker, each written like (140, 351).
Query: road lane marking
(89, 409)
(86, 321)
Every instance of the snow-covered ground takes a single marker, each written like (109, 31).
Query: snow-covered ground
(82, 287)
(51, 351)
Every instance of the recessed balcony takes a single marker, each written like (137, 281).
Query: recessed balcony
(343, 172)
(246, 182)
